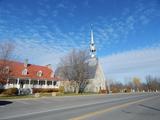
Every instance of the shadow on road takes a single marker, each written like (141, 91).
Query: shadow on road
(5, 103)
(149, 107)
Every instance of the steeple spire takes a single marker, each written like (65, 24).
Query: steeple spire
(92, 45)
(92, 40)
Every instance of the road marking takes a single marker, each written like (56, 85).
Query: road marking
(108, 109)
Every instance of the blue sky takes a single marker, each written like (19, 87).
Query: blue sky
(126, 32)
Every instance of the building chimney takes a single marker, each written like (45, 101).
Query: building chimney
(26, 63)
(49, 66)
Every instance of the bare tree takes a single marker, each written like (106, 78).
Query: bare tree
(6, 50)
(153, 84)
(74, 67)
(137, 83)
(116, 87)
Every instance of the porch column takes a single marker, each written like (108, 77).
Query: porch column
(18, 83)
(38, 84)
(29, 83)
(7, 85)
(46, 83)
(52, 84)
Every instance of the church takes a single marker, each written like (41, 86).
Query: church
(96, 77)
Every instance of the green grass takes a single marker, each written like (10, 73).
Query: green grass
(16, 97)
(45, 95)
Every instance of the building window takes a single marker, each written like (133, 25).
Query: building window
(39, 73)
(49, 82)
(54, 83)
(42, 82)
(24, 72)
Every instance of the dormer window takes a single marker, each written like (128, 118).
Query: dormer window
(39, 73)
(24, 72)
(7, 69)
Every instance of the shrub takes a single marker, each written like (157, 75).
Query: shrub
(61, 89)
(128, 90)
(44, 90)
(115, 90)
(1, 90)
(103, 91)
(10, 91)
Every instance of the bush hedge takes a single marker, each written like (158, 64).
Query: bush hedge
(1, 90)
(44, 90)
(103, 91)
(10, 91)
(61, 89)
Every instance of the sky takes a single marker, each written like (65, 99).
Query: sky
(126, 33)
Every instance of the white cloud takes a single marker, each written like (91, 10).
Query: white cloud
(55, 13)
(38, 53)
(132, 63)
(118, 29)
(44, 47)
(61, 5)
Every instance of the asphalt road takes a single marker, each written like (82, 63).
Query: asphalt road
(141, 106)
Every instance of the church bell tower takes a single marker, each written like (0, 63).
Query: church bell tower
(97, 77)
(92, 46)
(93, 61)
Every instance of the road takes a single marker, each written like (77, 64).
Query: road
(141, 106)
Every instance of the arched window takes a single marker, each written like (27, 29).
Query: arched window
(39, 73)
(24, 72)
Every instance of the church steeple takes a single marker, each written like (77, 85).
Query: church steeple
(92, 45)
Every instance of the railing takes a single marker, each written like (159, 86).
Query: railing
(30, 86)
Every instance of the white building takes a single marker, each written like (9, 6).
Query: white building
(25, 75)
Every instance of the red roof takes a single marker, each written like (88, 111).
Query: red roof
(16, 69)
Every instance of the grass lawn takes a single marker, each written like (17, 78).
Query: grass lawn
(45, 95)
(16, 97)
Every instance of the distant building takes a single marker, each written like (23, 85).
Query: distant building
(25, 75)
